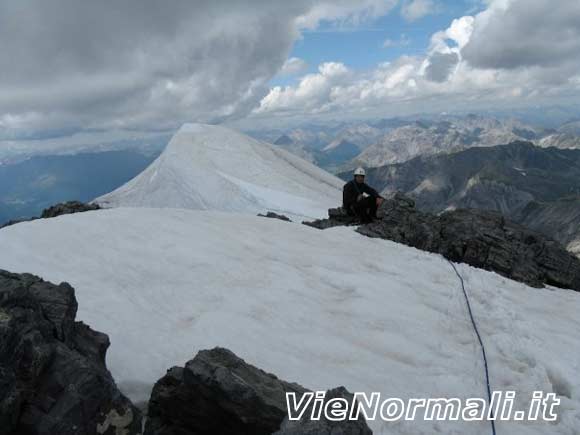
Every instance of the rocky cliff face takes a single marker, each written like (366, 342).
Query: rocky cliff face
(52, 369)
(560, 219)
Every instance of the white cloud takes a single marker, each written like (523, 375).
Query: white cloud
(293, 66)
(312, 93)
(413, 10)
(401, 42)
(453, 74)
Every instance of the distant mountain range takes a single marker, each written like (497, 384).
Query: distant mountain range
(372, 144)
(538, 187)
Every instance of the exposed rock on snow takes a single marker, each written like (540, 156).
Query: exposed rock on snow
(273, 215)
(53, 378)
(68, 208)
(218, 393)
(58, 210)
(336, 217)
(480, 238)
(207, 167)
(307, 426)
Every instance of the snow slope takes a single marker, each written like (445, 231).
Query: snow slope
(209, 167)
(322, 308)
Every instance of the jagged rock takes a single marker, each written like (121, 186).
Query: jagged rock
(68, 208)
(273, 215)
(57, 210)
(53, 378)
(307, 426)
(336, 217)
(480, 238)
(218, 393)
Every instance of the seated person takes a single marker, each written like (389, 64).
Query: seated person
(359, 199)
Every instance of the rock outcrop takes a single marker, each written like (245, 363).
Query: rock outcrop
(480, 238)
(336, 217)
(53, 378)
(68, 208)
(57, 210)
(219, 393)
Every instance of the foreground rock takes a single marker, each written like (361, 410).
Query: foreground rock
(306, 426)
(480, 238)
(57, 210)
(53, 378)
(219, 393)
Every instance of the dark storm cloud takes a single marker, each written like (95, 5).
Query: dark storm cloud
(441, 65)
(144, 62)
(526, 33)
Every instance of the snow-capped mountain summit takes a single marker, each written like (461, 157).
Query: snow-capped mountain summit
(207, 167)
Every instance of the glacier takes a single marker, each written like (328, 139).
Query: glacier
(321, 308)
(179, 262)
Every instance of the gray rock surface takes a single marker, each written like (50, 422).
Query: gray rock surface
(483, 239)
(307, 426)
(336, 217)
(219, 393)
(53, 378)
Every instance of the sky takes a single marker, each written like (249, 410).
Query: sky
(146, 65)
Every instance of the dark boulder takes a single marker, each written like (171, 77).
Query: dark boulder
(273, 215)
(68, 208)
(336, 217)
(483, 239)
(218, 393)
(53, 378)
(323, 426)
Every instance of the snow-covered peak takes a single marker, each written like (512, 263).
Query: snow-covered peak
(211, 167)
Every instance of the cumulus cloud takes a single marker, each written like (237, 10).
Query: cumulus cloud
(413, 10)
(313, 92)
(146, 63)
(476, 62)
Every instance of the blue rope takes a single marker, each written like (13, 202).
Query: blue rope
(480, 343)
